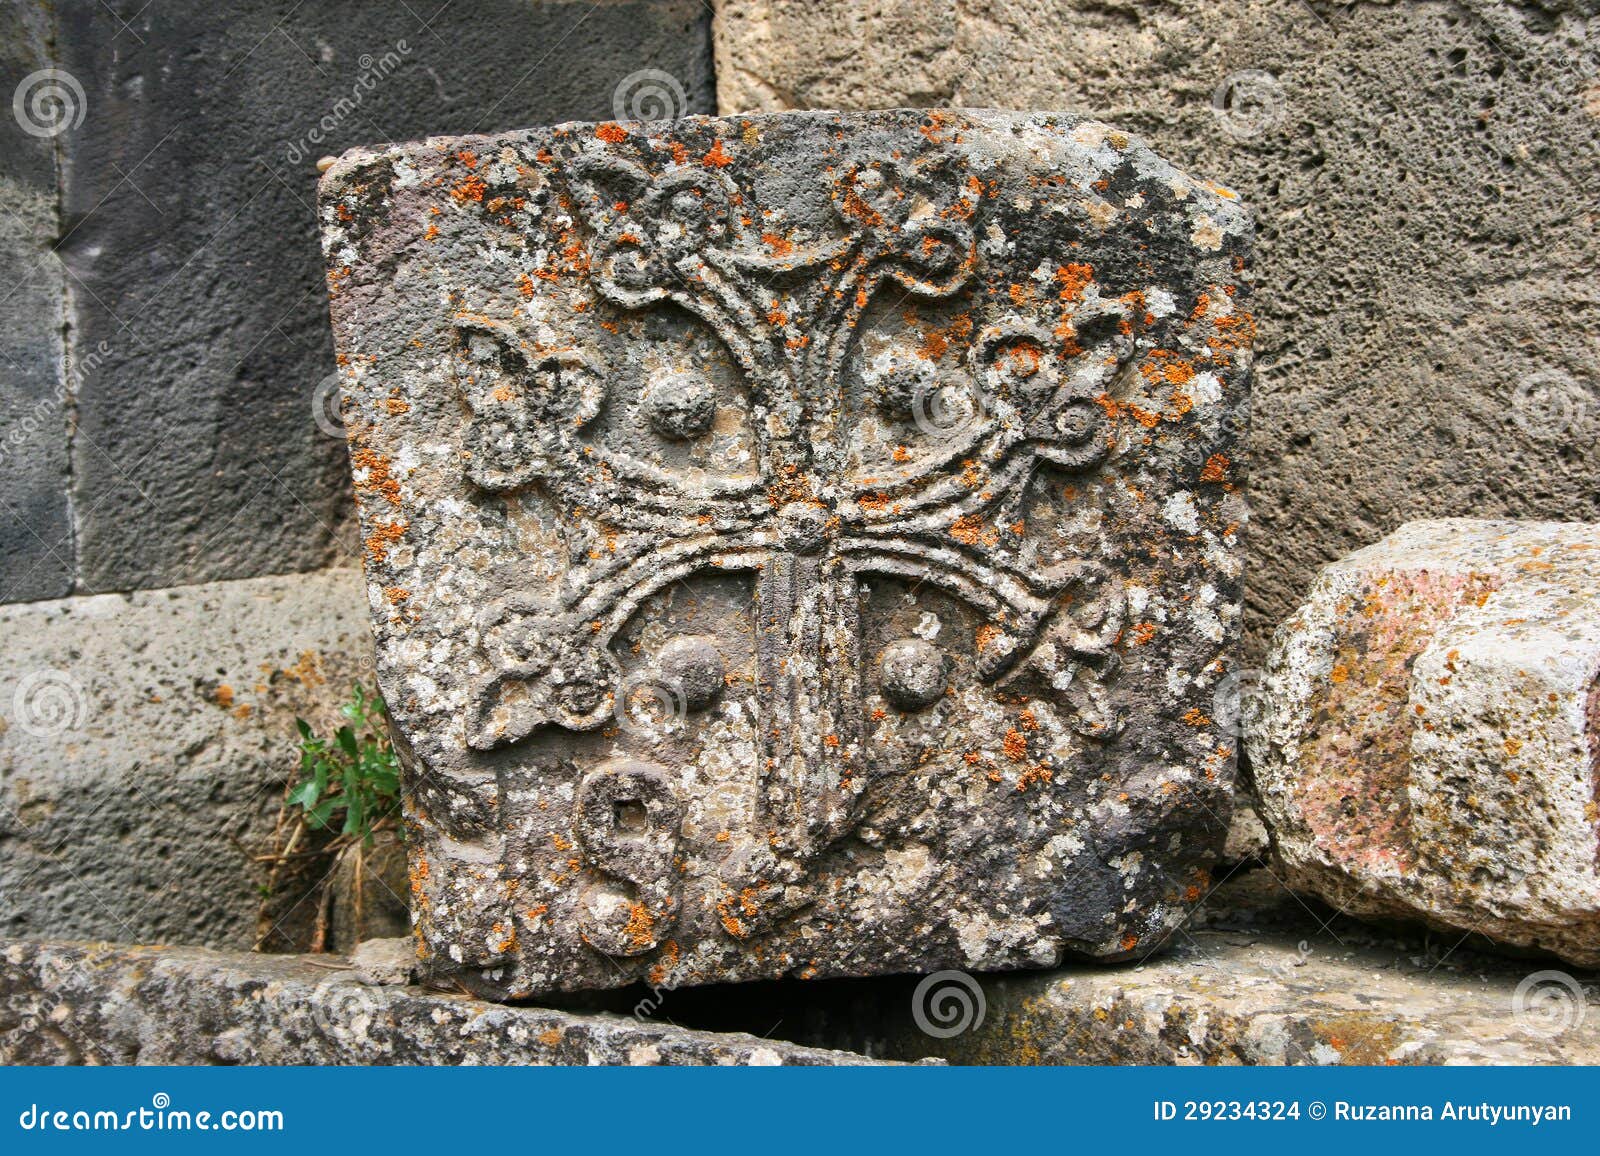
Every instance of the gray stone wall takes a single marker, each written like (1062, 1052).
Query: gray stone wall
(163, 320)
(167, 417)
(1422, 176)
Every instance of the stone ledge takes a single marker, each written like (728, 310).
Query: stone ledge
(1227, 997)
(105, 1004)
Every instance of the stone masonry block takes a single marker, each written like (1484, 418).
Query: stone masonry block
(187, 237)
(1428, 743)
(145, 742)
(798, 545)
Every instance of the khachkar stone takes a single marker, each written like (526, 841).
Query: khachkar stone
(802, 544)
(1428, 739)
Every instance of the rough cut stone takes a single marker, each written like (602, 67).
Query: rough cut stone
(145, 741)
(1425, 172)
(798, 545)
(1278, 999)
(183, 220)
(98, 1004)
(35, 509)
(1428, 741)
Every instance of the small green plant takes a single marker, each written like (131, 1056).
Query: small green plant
(351, 782)
(343, 798)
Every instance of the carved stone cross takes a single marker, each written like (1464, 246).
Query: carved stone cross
(799, 544)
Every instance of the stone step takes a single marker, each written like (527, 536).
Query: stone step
(104, 1004)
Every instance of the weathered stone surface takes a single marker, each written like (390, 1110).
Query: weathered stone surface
(145, 742)
(98, 1004)
(666, 683)
(188, 238)
(385, 962)
(1423, 175)
(1428, 735)
(1223, 997)
(35, 519)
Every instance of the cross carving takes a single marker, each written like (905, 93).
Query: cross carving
(805, 526)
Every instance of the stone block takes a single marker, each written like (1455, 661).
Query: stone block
(1427, 742)
(1423, 175)
(35, 516)
(798, 545)
(200, 450)
(145, 742)
(98, 1004)
(1222, 998)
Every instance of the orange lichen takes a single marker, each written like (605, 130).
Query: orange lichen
(968, 529)
(936, 341)
(383, 537)
(716, 158)
(1074, 278)
(1142, 632)
(640, 929)
(611, 133)
(1015, 745)
(1216, 468)
(1038, 773)
(471, 189)
(378, 479)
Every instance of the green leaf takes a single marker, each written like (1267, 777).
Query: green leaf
(305, 795)
(347, 741)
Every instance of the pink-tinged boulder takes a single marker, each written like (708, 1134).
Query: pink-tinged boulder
(1427, 736)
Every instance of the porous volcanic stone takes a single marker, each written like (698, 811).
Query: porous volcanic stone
(1423, 175)
(183, 220)
(145, 743)
(100, 1004)
(1272, 998)
(977, 380)
(1429, 734)
(35, 509)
